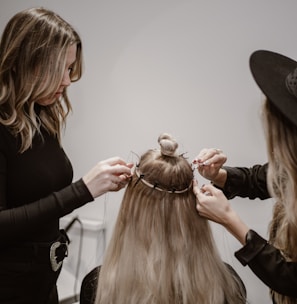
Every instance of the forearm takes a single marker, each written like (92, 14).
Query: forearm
(25, 219)
(236, 227)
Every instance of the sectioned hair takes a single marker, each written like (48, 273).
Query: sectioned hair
(161, 250)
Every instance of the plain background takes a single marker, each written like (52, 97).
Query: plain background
(154, 66)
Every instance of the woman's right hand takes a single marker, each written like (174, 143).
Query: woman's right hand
(108, 175)
(209, 165)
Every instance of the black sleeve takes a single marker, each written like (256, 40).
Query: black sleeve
(269, 265)
(246, 182)
(18, 221)
(22, 219)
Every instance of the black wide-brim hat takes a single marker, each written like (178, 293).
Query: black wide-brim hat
(276, 75)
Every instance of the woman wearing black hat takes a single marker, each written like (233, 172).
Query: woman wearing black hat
(273, 261)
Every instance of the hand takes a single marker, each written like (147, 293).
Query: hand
(213, 204)
(108, 175)
(209, 164)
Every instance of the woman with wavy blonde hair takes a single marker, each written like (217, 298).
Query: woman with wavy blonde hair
(161, 250)
(40, 56)
(33, 60)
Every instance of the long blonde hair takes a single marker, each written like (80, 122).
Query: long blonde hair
(282, 181)
(161, 250)
(32, 62)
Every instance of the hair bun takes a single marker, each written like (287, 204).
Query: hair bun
(168, 145)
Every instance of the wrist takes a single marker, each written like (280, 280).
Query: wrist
(220, 179)
(236, 227)
(89, 186)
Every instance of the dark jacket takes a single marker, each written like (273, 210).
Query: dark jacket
(265, 261)
(246, 182)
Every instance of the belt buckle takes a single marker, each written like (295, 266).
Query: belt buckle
(53, 257)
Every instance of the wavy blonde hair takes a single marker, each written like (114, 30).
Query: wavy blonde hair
(161, 250)
(33, 52)
(282, 181)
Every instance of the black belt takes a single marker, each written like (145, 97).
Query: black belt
(52, 253)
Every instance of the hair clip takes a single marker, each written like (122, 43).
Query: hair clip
(140, 176)
(183, 155)
(155, 186)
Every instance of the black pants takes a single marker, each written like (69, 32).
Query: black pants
(26, 274)
(27, 283)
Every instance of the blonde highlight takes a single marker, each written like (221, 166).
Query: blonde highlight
(282, 181)
(32, 60)
(161, 250)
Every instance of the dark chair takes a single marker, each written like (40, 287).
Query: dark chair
(89, 286)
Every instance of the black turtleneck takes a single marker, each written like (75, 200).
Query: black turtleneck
(36, 188)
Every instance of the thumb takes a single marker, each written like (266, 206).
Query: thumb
(195, 186)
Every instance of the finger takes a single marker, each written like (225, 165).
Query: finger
(125, 178)
(210, 190)
(203, 195)
(200, 156)
(195, 187)
(214, 161)
(198, 207)
(130, 165)
(117, 185)
(207, 187)
(115, 161)
(202, 169)
(200, 193)
(121, 170)
(218, 158)
(205, 158)
(213, 156)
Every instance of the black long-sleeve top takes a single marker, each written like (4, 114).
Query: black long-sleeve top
(247, 182)
(265, 260)
(36, 188)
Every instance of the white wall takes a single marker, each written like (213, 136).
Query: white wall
(174, 66)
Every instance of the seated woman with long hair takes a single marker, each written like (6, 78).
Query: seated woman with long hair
(161, 250)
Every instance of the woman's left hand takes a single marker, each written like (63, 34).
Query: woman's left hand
(212, 203)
